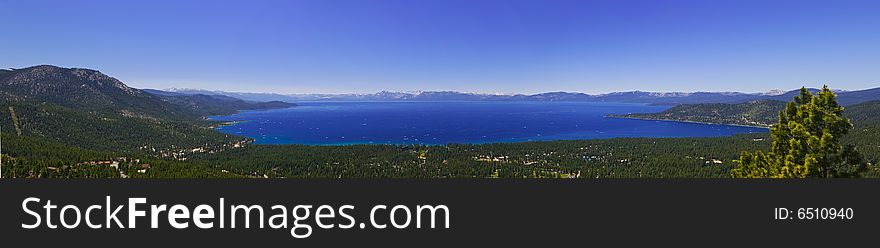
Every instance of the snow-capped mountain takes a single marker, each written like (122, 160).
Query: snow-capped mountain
(670, 98)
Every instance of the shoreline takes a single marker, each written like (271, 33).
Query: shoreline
(227, 123)
(686, 121)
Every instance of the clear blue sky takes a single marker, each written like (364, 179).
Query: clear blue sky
(505, 46)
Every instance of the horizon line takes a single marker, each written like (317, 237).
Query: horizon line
(770, 92)
(766, 92)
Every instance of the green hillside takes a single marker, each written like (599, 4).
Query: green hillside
(866, 133)
(865, 117)
(220, 105)
(760, 113)
(85, 90)
(85, 108)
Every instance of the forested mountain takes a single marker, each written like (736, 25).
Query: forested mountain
(85, 90)
(864, 114)
(760, 113)
(866, 134)
(755, 113)
(85, 108)
(664, 98)
(865, 117)
(69, 122)
(215, 104)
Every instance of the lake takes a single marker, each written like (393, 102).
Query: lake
(431, 123)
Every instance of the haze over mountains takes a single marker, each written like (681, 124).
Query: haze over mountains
(669, 98)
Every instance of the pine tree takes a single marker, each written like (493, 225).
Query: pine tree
(806, 142)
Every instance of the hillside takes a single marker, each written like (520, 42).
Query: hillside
(206, 105)
(866, 134)
(85, 90)
(88, 109)
(865, 117)
(864, 114)
(760, 113)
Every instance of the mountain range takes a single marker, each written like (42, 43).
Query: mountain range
(86, 108)
(205, 105)
(664, 98)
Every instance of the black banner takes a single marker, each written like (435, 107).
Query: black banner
(541, 213)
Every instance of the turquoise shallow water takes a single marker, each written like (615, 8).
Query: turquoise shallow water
(335, 123)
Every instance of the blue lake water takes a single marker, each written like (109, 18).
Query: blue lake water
(336, 123)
